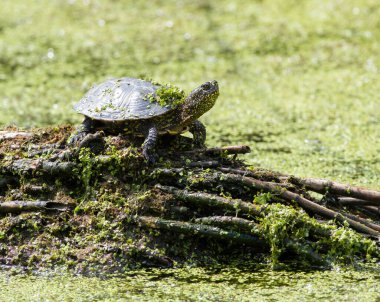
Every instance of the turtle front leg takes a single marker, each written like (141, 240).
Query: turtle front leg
(149, 144)
(198, 130)
(82, 130)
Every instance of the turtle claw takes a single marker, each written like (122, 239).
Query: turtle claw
(150, 158)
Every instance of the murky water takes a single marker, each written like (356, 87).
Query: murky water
(195, 284)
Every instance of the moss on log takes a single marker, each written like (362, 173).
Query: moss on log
(101, 208)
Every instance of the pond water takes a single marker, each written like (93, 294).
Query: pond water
(293, 86)
(198, 284)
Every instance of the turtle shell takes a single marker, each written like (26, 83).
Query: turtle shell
(121, 99)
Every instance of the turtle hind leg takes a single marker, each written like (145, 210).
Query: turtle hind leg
(82, 130)
(149, 145)
(198, 130)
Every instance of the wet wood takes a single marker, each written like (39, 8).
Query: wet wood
(19, 206)
(324, 186)
(9, 135)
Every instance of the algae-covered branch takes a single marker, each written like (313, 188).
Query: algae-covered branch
(103, 208)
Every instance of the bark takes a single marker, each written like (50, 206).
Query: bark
(324, 186)
(349, 201)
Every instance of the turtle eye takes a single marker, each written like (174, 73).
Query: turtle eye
(206, 86)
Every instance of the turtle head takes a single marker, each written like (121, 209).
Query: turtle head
(200, 100)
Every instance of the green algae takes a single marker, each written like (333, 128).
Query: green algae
(342, 245)
(299, 83)
(167, 95)
(170, 95)
(199, 284)
(292, 82)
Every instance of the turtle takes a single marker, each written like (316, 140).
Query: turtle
(145, 108)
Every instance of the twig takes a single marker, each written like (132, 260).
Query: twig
(349, 201)
(204, 164)
(44, 151)
(4, 135)
(323, 186)
(199, 230)
(243, 149)
(259, 174)
(206, 199)
(17, 206)
(236, 223)
(366, 222)
(26, 166)
(36, 189)
(303, 202)
(372, 209)
(363, 206)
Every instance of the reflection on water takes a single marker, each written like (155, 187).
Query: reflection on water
(198, 284)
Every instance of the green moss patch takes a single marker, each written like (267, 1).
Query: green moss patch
(168, 95)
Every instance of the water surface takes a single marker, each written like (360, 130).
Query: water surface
(198, 284)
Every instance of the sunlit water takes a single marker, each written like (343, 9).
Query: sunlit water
(194, 284)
